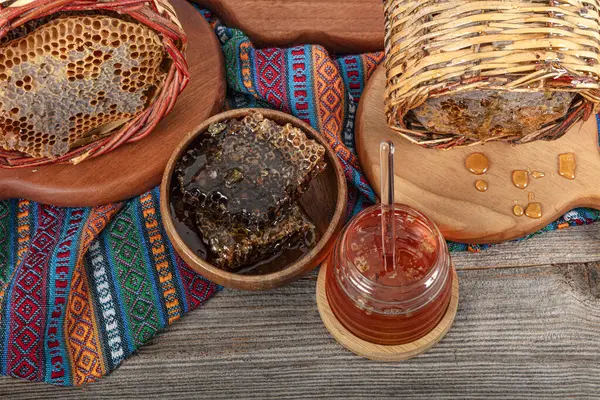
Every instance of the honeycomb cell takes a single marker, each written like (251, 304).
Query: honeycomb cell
(70, 79)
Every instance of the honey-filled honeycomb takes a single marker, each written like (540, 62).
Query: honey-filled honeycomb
(485, 114)
(249, 171)
(232, 247)
(73, 79)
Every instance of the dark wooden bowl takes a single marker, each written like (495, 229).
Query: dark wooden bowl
(325, 203)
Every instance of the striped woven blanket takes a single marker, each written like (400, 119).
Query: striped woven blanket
(81, 289)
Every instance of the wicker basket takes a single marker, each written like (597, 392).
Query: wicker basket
(159, 16)
(436, 48)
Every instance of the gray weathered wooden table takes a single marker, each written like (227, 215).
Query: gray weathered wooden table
(528, 325)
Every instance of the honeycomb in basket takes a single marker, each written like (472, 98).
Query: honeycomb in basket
(249, 171)
(484, 114)
(69, 80)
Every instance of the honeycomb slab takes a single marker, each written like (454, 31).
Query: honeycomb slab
(232, 248)
(249, 171)
(485, 114)
(73, 79)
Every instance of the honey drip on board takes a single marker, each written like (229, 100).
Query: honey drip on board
(538, 174)
(534, 210)
(520, 178)
(567, 165)
(518, 210)
(477, 163)
(481, 185)
(531, 196)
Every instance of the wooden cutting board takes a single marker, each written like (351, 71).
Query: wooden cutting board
(346, 26)
(134, 168)
(438, 183)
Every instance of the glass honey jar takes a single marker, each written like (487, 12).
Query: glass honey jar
(383, 300)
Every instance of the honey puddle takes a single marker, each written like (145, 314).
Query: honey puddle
(477, 163)
(567, 165)
(538, 174)
(520, 178)
(534, 210)
(481, 185)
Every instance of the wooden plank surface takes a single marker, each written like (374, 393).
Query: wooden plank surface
(529, 331)
(346, 26)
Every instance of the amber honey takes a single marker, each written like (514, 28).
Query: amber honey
(395, 305)
(538, 174)
(520, 178)
(518, 210)
(534, 210)
(567, 165)
(481, 185)
(477, 163)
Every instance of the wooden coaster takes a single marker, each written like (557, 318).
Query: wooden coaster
(380, 352)
(437, 182)
(135, 167)
(346, 26)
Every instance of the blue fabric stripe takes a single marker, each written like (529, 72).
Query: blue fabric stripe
(51, 297)
(5, 324)
(12, 257)
(112, 271)
(299, 80)
(352, 72)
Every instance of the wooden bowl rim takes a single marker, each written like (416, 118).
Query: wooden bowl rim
(273, 279)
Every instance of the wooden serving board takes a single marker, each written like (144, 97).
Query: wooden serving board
(134, 168)
(348, 26)
(437, 182)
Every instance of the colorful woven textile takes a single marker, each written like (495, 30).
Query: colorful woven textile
(82, 288)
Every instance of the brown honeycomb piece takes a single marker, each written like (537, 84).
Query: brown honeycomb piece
(73, 79)
(249, 171)
(484, 114)
(232, 247)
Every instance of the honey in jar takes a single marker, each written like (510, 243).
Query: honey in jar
(385, 301)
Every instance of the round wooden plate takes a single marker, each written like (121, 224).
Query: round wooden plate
(347, 26)
(137, 167)
(437, 183)
(380, 352)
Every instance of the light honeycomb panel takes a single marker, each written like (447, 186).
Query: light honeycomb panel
(73, 79)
